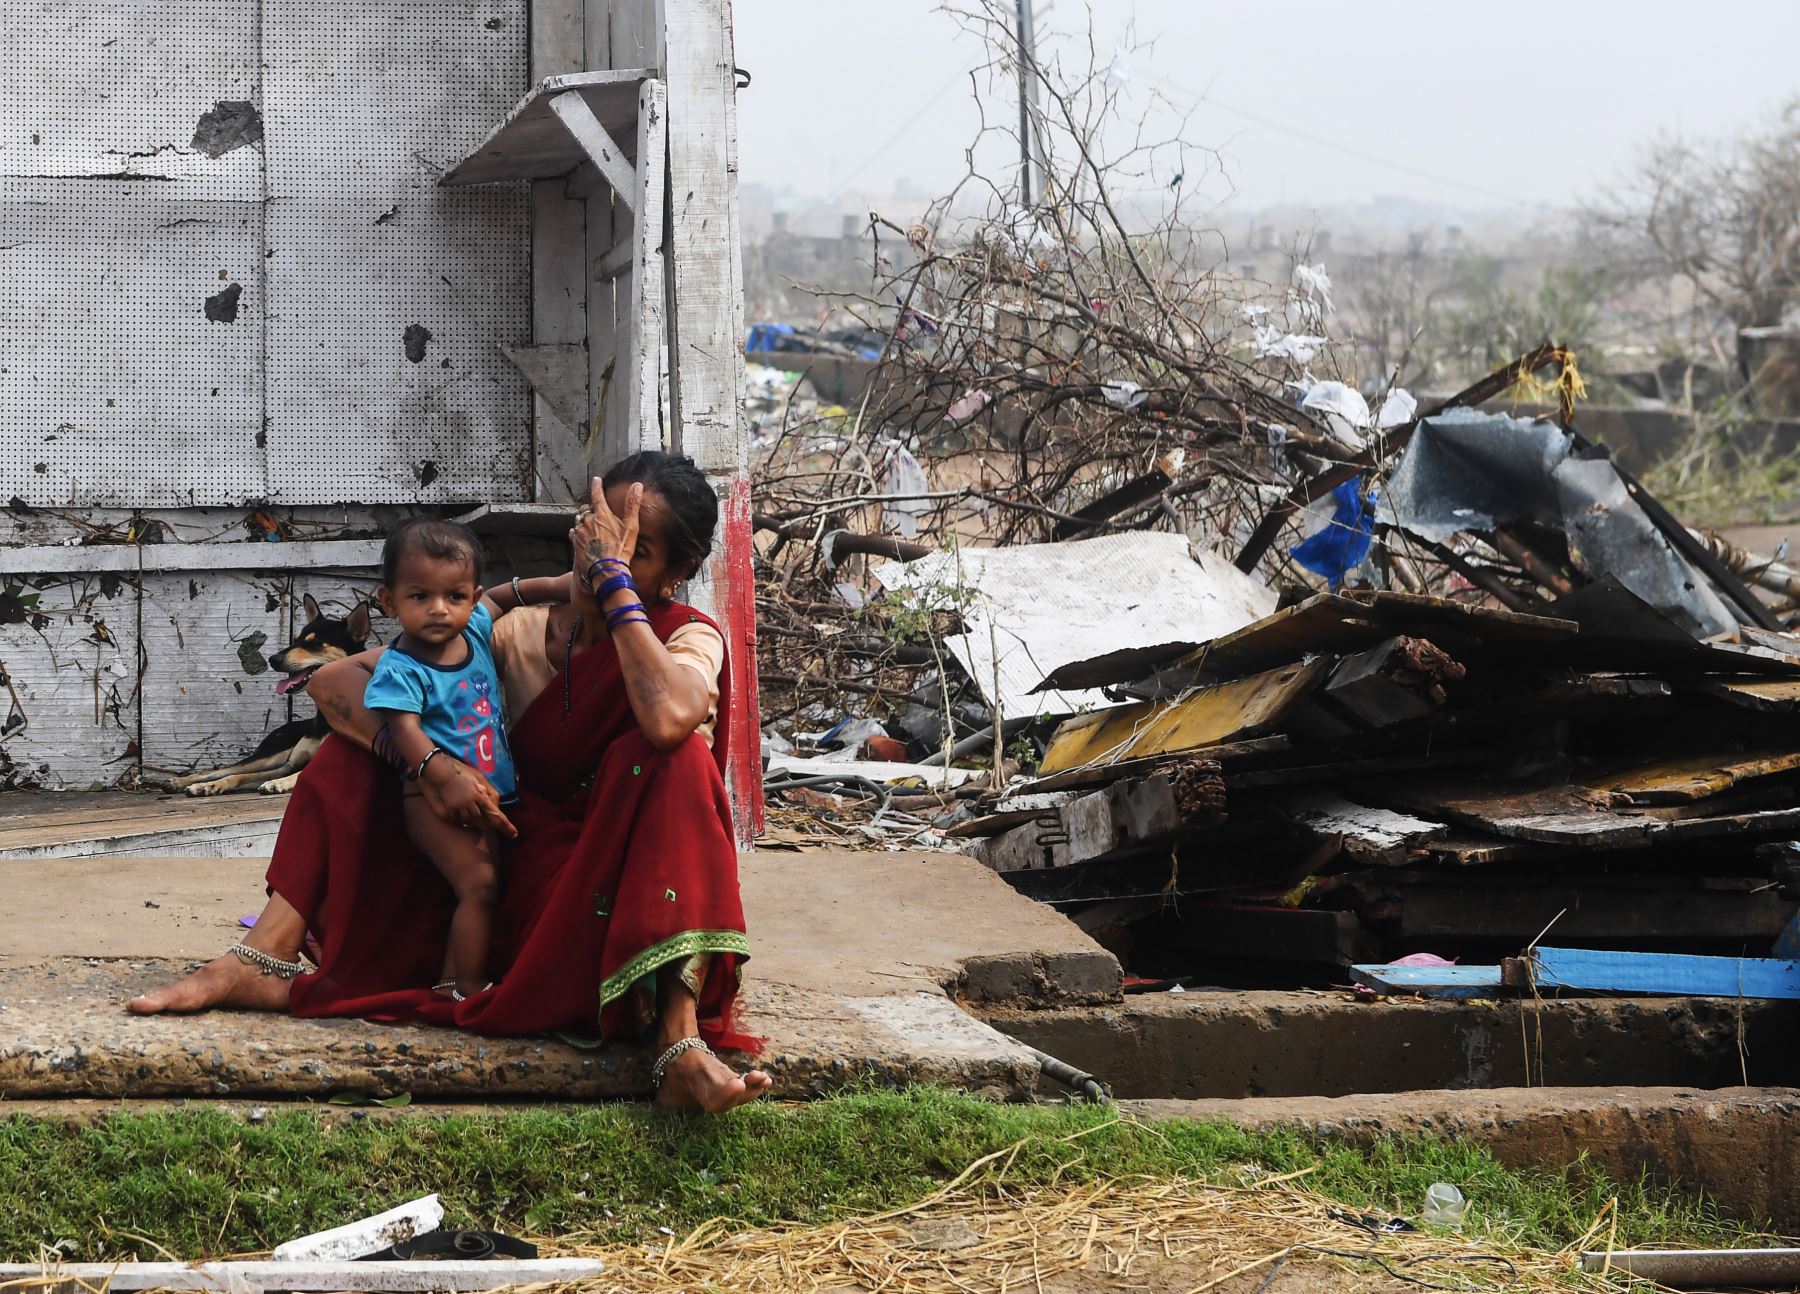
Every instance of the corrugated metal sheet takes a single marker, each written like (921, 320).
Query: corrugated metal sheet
(73, 660)
(365, 105)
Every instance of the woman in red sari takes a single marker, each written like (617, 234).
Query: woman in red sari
(620, 914)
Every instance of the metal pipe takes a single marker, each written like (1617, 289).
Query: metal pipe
(1078, 1081)
(974, 742)
(1688, 1268)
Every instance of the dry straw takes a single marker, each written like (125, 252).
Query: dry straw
(980, 1235)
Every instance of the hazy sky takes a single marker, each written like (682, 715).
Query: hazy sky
(1485, 104)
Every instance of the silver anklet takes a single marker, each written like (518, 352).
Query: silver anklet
(660, 1070)
(266, 964)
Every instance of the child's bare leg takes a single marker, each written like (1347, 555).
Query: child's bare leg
(466, 859)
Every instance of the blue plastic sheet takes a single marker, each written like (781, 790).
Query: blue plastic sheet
(1341, 545)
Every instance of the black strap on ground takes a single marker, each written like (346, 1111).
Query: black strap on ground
(463, 1245)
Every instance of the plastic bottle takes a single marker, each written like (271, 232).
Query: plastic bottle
(1444, 1205)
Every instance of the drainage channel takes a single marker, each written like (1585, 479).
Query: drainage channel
(1696, 1092)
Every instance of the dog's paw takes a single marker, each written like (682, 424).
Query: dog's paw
(279, 785)
(206, 788)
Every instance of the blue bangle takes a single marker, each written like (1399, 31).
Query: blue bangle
(638, 620)
(614, 584)
(617, 616)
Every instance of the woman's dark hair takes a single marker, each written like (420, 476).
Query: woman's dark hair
(693, 507)
(444, 541)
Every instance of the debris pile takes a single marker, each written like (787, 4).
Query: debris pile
(1358, 777)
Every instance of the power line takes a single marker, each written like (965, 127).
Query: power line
(881, 149)
(1334, 146)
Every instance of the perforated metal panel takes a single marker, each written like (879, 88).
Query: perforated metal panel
(364, 106)
(115, 387)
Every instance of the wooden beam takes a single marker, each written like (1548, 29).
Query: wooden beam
(612, 263)
(1455, 982)
(706, 347)
(1673, 973)
(57, 559)
(235, 1277)
(572, 110)
(643, 420)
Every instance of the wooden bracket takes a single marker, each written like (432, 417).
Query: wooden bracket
(607, 157)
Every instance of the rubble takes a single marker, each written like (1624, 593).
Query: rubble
(1398, 774)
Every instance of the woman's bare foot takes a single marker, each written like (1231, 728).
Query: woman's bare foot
(223, 981)
(699, 1080)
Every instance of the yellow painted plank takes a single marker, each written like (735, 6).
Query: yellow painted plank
(1693, 777)
(1205, 717)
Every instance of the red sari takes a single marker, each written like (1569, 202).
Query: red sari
(624, 864)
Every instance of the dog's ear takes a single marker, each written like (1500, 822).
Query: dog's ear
(312, 609)
(358, 624)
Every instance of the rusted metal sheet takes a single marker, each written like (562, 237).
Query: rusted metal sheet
(388, 295)
(1223, 712)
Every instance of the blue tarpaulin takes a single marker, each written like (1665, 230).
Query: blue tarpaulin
(1341, 545)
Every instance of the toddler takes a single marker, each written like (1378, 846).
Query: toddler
(438, 691)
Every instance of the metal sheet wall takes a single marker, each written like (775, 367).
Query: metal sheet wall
(117, 389)
(365, 106)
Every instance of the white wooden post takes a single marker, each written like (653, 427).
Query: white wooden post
(706, 338)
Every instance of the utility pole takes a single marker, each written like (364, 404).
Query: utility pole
(1028, 104)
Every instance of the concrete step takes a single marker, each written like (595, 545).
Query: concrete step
(860, 961)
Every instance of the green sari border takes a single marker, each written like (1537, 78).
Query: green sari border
(690, 943)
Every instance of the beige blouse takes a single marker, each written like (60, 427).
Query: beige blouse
(526, 669)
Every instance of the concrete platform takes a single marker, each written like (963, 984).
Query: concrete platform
(861, 959)
(1737, 1144)
(136, 824)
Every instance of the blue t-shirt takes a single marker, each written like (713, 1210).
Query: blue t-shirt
(458, 706)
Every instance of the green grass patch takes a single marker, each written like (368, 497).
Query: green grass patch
(205, 1182)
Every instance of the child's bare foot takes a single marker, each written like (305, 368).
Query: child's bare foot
(699, 1080)
(223, 981)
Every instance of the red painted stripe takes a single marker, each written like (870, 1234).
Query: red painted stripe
(735, 583)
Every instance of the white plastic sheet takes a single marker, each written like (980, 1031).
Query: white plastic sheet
(1041, 606)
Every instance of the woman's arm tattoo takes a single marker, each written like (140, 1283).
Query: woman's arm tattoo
(383, 747)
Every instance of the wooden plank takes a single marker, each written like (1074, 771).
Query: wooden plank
(236, 1277)
(1452, 982)
(1241, 708)
(1554, 814)
(1691, 777)
(643, 418)
(615, 262)
(47, 559)
(1366, 833)
(1671, 973)
(1708, 1268)
(1088, 827)
(1102, 774)
(1772, 695)
(534, 142)
(601, 149)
